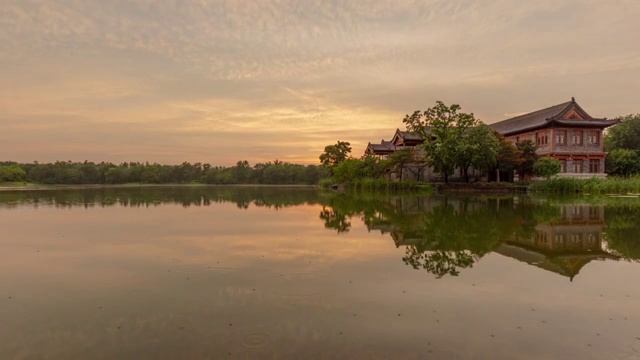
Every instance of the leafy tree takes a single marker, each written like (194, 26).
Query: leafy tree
(151, 174)
(623, 162)
(442, 128)
(547, 167)
(509, 156)
(348, 170)
(529, 157)
(12, 173)
(625, 135)
(373, 167)
(477, 147)
(335, 154)
(242, 172)
(397, 161)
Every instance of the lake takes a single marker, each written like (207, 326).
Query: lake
(294, 273)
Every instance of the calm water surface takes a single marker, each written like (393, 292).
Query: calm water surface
(285, 273)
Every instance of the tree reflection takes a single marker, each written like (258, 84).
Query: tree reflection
(335, 220)
(439, 262)
(144, 196)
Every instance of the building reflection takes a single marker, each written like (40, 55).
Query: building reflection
(558, 238)
(563, 246)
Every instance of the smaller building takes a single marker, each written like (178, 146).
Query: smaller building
(382, 150)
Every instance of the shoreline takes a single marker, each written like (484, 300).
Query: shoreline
(41, 187)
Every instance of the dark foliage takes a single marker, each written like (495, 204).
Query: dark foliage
(68, 172)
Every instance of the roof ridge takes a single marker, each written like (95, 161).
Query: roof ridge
(564, 105)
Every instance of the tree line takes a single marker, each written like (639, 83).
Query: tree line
(68, 172)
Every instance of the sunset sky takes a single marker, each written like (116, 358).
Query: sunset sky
(220, 81)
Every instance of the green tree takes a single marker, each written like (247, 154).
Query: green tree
(348, 170)
(477, 147)
(547, 167)
(625, 135)
(397, 161)
(373, 167)
(335, 154)
(623, 162)
(442, 128)
(509, 156)
(529, 157)
(241, 172)
(12, 173)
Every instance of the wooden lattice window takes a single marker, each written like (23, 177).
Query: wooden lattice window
(577, 166)
(593, 138)
(577, 138)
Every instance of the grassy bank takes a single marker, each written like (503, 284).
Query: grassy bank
(380, 185)
(595, 186)
(16, 184)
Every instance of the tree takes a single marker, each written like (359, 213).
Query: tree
(477, 147)
(348, 170)
(623, 162)
(399, 159)
(625, 135)
(529, 157)
(441, 127)
(373, 167)
(335, 154)
(509, 157)
(12, 173)
(547, 167)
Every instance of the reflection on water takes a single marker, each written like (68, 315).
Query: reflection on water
(441, 234)
(254, 272)
(444, 235)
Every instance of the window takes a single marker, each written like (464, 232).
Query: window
(593, 138)
(517, 139)
(594, 166)
(576, 212)
(542, 138)
(577, 138)
(561, 137)
(563, 163)
(576, 238)
(577, 166)
(560, 238)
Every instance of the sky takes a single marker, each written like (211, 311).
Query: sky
(219, 81)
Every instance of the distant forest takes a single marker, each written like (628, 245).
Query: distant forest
(67, 172)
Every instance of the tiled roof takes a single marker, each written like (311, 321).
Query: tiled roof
(409, 135)
(383, 146)
(541, 118)
(530, 120)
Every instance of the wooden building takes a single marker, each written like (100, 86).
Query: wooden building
(565, 132)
